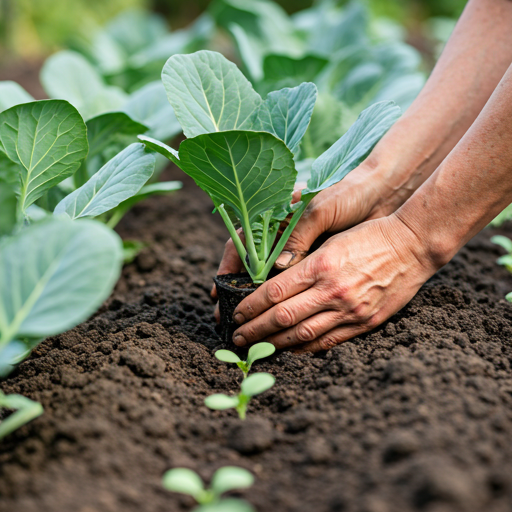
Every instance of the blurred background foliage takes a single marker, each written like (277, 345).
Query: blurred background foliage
(32, 29)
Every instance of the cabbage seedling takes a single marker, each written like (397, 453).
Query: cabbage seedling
(258, 351)
(210, 499)
(506, 243)
(251, 386)
(241, 149)
(26, 410)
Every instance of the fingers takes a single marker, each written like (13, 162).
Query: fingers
(334, 337)
(272, 292)
(230, 263)
(282, 316)
(216, 313)
(308, 330)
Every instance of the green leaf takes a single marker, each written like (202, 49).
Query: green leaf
(12, 94)
(119, 179)
(502, 241)
(8, 204)
(47, 139)
(286, 114)
(54, 275)
(250, 172)
(161, 148)
(229, 478)
(183, 480)
(219, 401)
(12, 351)
(26, 410)
(9, 172)
(260, 351)
(227, 505)
(131, 249)
(257, 383)
(509, 296)
(353, 147)
(149, 105)
(227, 356)
(208, 93)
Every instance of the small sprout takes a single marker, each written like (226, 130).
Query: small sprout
(509, 296)
(251, 386)
(258, 351)
(225, 479)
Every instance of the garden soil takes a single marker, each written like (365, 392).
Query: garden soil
(415, 416)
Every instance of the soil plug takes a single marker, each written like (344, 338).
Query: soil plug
(258, 351)
(251, 386)
(225, 479)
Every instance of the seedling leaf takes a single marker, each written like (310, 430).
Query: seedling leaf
(208, 93)
(183, 480)
(353, 147)
(227, 505)
(231, 477)
(118, 180)
(26, 410)
(227, 356)
(47, 140)
(502, 241)
(257, 383)
(259, 351)
(220, 401)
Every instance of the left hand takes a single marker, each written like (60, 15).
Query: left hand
(351, 284)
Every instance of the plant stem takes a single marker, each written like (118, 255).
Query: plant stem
(26, 410)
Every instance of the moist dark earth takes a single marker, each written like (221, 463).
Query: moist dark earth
(415, 416)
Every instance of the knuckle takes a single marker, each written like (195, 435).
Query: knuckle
(373, 321)
(362, 311)
(322, 263)
(249, 333)
(328, 342)
(340, 291)
(283, 317)
(275, 292)
(305, 333)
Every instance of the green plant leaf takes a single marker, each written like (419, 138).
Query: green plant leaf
(509, 297)
(260, 351)
(131, 249)
(502, 241)
(219, 401)
(229, 478)
(25, 410)
(286, 113)
(227, 505)
(12, 94)
(257, 383)
(227, 356)
(183, 480)
(353, 147)
(54, 275)
(250, 172)
(119, 179)
(48, 141)
(149, 106)
(208, 93)
(12, 351)
(8, 204)
(161, 148)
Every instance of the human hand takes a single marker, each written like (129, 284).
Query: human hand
(353, 283)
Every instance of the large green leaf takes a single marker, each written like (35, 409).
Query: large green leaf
(251, 172)
(7, 209)
(286, 113)
(12, 94)
(209, 93)
(353, 147)
(161, 148)
(149, 105)
(55, 274)
(47, 139)
(119, 179)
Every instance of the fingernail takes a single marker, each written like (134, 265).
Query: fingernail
(284, 259)
(239, 318)
(239, 340)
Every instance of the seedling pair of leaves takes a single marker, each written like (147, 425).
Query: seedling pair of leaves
(252, 385)
(210, 499)
(240, 149)
(505, 260)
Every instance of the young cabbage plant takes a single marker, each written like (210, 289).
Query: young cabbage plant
(210, 499)
(253, 385)
(257, 351)
(240, 149)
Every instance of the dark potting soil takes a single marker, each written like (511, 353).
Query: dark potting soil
(415, 416)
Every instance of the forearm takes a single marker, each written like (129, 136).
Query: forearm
(472, 64)
(472, 185)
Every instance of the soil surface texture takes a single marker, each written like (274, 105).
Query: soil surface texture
(415, 416)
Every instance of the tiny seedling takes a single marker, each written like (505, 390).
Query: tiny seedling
(251, 386)
(258, 351)
(210, 499)
(506, 243)
(25, 410)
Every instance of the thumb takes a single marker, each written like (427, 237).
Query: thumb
(297, 247)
